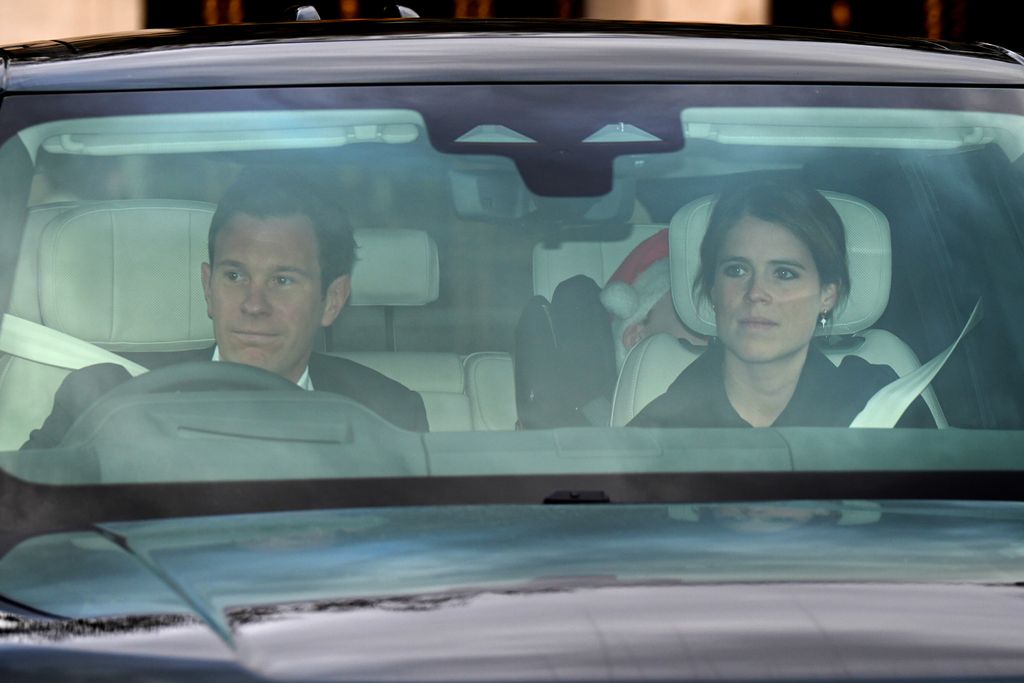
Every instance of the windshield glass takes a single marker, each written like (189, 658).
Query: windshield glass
(647, 270)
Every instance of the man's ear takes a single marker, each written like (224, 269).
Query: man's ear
(205, 271)
(335, 299)
(633, 335)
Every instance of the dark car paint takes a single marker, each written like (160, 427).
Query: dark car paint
(421, 51)
(727, 592)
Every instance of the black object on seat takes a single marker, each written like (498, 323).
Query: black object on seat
(564, 359)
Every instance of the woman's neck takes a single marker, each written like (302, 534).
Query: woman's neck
(759, 392)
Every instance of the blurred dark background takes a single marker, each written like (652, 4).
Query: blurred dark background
(956, 20)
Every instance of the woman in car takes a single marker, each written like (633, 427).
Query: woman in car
(773, 266)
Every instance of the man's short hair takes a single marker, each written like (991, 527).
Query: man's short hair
(271, 193)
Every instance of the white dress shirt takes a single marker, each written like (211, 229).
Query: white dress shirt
(304, 381)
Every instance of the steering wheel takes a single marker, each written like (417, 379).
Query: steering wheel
(203, 376)
(193, 376)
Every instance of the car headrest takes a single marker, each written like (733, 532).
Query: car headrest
(868, 255)
(597, 260)
(394, 267)
(125, 274)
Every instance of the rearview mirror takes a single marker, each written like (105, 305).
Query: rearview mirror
(501, 195)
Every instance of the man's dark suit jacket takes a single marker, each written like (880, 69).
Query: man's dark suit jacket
(384, 396)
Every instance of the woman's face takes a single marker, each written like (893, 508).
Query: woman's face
(767, 293)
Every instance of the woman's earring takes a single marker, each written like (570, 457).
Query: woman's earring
(823, 319)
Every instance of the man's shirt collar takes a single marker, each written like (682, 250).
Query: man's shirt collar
(304, 382)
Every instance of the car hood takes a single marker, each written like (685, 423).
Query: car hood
(853, 589)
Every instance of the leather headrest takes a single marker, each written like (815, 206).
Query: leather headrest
(394, 267)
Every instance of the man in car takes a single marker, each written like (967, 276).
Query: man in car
(280, 262)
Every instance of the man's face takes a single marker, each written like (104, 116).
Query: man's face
(263, 292)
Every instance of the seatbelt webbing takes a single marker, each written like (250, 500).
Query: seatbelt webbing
(38, 343)
(887, 406)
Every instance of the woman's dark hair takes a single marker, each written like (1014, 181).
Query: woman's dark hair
(795, 206)
(273, 193)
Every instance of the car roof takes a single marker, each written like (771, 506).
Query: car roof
(454, 51)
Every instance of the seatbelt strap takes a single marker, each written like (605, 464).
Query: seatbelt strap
(40, 344)
(887, 406)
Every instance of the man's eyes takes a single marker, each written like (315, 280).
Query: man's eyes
(279, 280)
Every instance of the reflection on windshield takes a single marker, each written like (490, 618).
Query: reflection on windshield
(770, 266)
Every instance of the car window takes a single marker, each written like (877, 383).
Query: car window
(472, 209)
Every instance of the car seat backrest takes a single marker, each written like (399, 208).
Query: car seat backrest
(654, 363)
(24, 294)
(459, 394)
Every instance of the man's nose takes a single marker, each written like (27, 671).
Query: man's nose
(757, 289)
(255, 301)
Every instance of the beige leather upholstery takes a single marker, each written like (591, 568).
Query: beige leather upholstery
(490, 385)
(394, 268)
(24, 294)
(438, 377)
(80, 272)
(125, 276)
(650, 368)
(654, 363)
(460, 394)
(597, 260)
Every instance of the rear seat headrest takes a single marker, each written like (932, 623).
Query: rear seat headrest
(394, 267)
(868, 255)
(125, 274)
(597, 260)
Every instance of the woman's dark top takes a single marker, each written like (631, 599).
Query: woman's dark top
(825, 396)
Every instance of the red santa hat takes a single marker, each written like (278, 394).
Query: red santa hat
(638, 283)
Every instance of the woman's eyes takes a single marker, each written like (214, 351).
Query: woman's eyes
(741, 270)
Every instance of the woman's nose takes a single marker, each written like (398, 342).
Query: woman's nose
(757, 291)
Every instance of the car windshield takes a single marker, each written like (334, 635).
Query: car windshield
(529, 260)
(575, 378)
